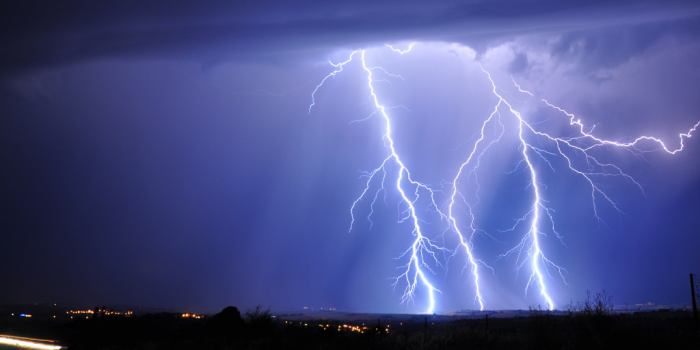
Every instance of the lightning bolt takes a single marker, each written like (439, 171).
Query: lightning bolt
(331, 75)
(595, 168)
(400, 51)
(421, 244)
(422, 248)
(528, 250)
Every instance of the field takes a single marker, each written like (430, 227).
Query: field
(259, 329)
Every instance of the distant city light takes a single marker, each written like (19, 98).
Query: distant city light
(84, 312)
(194, 316)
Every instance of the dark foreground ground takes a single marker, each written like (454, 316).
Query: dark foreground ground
(259, 330)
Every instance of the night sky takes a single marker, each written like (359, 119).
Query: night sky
(162, 153)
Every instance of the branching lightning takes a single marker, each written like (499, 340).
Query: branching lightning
(401, 51)
(529, 251)
(339, 69)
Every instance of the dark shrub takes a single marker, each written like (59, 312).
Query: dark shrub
(228, 322)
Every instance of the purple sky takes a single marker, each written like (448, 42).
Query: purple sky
(164, 154)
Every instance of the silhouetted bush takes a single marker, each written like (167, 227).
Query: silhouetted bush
(228, 322)
(260, 322)
(600, 306)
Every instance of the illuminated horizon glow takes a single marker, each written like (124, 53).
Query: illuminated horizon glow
(528, 248)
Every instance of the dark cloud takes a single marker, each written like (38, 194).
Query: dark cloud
(40, 33)
(612, 46)
(519, 63)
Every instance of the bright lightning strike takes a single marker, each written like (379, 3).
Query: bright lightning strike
(532, 237)
(400, 51)
(529, 250)
(421, 245)
(331, 75)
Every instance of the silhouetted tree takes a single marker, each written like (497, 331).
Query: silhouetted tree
(260, 321)
(227, 322)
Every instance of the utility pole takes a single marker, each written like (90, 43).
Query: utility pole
(695, 306)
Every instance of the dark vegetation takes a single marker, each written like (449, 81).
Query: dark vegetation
(590, 324)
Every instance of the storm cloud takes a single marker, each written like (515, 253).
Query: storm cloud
(162, 153)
